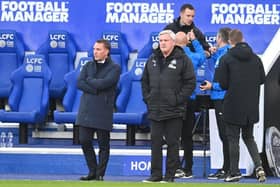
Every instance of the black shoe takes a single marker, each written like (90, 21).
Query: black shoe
(220, 174)
(179, 173)
(233, 177)
(188, 175)
(88, 177)
(99, 178)
(260, 174)
(167, 180)
(152, 179)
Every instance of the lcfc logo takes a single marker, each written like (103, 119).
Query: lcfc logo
(138, 71)
(57, 37)
(111, 37)
(155, 38)
(2, 43)
(57, 40)
(155, 45)
(29, 68)
(7, 36)
(211, 38)
(34, 60)
(155, 41)
(53, 44)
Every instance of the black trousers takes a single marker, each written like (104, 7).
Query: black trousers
(218, 105)
(187, 136)
(233, 134)
(103, 139)
(170, 130)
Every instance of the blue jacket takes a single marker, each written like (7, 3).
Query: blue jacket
(197, 58)
(217, 93)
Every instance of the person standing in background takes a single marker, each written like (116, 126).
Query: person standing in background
(186, 24)
(241, 74)
(197, 57)
(168, 80)
(98, 81)
(217, 95)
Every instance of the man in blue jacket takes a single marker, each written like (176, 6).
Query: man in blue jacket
(197, 57)
(98, 81)
(217, 95)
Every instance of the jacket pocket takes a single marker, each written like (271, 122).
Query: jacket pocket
(170, 98)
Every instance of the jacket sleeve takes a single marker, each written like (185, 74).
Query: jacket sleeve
(216, 86)
(111, 78)
(189, 81)
(145, 83)
(170, 26)
(199, 53)
(82, 81)
(222, 74)
(201, 38)
(262, 72)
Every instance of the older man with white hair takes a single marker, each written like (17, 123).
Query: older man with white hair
(168, 80)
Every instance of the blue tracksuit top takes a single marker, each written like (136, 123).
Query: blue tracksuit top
(197, 58)
(217, 93)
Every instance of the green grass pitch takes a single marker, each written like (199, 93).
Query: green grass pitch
(39, 183)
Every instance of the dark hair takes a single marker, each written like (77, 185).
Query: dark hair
(186, 6)
(224, 33)
(106, 43)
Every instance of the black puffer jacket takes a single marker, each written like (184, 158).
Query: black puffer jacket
(241, 73)
(176, 27)
(167, 83)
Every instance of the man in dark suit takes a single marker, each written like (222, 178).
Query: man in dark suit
(241, 73)
(98, 80)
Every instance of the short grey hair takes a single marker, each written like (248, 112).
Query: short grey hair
(170, 33)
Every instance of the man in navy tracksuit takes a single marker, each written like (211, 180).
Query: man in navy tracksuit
(217, 95)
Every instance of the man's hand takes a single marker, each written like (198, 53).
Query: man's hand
(206, 86)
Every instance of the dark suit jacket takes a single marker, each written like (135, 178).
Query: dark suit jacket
(98, 83)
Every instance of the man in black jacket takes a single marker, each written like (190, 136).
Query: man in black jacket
(98, 80)
(241, 73)
(185, 24)
(167, 82)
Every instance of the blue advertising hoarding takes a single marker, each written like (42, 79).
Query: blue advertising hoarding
(87, 19)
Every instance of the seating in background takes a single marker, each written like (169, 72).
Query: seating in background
(71, 99)
(29, 98)
(60, 53)
(152, 44)
(12, 51)
(131, 109)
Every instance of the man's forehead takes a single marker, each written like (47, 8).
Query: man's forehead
(98, 45)
(165, 36)
(188, 12)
